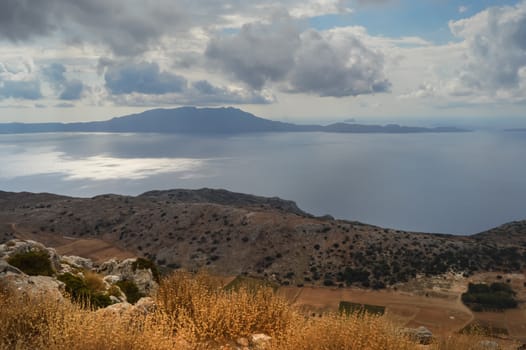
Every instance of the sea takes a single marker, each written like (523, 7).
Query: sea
(457, 183)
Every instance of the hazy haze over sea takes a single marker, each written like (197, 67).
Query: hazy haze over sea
(452, 183)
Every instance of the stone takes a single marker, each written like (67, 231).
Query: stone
(259, 340)
(242, 342)
(145, 305)
(17, 246)
(143, 278)
(488, 345)
(34, 286)
(421, 335)
(5, 268)
(78, 262)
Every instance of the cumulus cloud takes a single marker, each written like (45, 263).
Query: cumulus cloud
(330, 63)
(143, 77)
(67, 89)
(338, 64)
(495, 59)
(131, 27)
(258, 53)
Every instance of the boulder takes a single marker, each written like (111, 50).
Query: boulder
(17, 246)
(5, 268)
(145, 306)
(143, 278)
(421, 335)
(260, 340)
(78, 262)
(34, 286)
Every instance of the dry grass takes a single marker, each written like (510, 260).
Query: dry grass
(195, 312)
(94, 281)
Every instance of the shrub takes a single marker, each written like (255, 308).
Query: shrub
(34, 263)
(497, 296)
(94, 281)
(130, 289)
(80, 292)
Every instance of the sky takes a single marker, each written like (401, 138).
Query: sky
(291, 60)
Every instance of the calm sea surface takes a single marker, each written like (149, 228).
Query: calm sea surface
(454, 183)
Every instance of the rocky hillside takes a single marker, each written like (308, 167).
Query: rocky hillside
(232, 234)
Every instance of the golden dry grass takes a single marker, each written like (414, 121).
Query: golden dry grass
(195, 312)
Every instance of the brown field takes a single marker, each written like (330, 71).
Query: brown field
(95, 249)
(440, 315)
(441, 310)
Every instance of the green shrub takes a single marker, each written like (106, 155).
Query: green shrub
(497, 296)
(79, 291)
(144, 264)
(34, 263)
(129, 288)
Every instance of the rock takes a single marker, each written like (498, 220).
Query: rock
(488, 345)
(421, 335)
(259, 340)
(17, 246)
(143, 278)
(34, 286)
(242, 342)
(119, 309)
(5, 268)
(78, 262)
(522, 347)
(145, 306)
(111, 279)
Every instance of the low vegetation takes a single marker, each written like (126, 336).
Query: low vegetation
(347, 308)
(34, 263)
(86, 292)
(130, 289)
(196, 312)
(482, 297)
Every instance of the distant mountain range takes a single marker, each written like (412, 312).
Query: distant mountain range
(192, 120)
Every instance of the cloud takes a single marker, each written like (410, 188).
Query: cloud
(64, 105)
(330, 63)
(197, 93)
(258, 53)
(337, 64)
(462, 9)
(22, 19)
(18, 80)
(67, 89)
(142, 77)
(495, 59)
(124, 26)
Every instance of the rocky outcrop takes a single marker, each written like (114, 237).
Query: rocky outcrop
(18, 246)
(73, 269)
(129, 270)
(33, 286)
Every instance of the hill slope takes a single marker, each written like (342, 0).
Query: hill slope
(233, 234)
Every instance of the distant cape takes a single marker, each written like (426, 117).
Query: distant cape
(192, 120)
